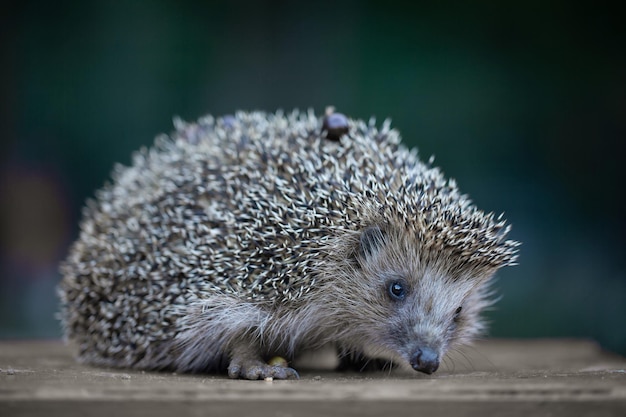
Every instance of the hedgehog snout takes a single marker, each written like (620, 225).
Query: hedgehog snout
(425, 359)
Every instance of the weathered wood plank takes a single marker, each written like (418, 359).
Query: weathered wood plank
(509, 377)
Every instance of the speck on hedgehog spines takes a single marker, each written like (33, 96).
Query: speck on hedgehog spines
(239, 238)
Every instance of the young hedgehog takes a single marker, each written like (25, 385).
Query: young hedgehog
(254, 235)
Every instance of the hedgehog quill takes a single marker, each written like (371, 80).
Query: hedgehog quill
(239, 238)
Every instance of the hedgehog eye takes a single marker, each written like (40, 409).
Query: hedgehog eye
(397, 290)
(457, 313)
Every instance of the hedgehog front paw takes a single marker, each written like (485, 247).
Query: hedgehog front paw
(256, 369)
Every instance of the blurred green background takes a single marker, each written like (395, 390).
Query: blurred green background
(523, 102)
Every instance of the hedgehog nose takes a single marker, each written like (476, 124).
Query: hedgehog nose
(425, 360)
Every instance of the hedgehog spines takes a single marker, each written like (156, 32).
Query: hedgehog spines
(256, 207)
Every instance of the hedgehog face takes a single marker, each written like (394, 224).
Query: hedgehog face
(428, 313)
(420, 308)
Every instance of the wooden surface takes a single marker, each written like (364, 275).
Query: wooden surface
(499, 377)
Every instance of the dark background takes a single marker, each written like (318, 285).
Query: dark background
(523, 102)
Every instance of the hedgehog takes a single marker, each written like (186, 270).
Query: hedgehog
(239, 238)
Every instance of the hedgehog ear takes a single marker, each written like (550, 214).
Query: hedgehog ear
(370, 242)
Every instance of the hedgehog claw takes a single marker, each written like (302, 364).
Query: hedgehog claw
(256, 369)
